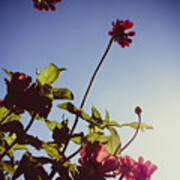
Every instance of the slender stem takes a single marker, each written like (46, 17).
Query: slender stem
(134, 136)
(72, 155)
(53, 172)
(121, 177)
(16, 140)
(117, 149)
(89, 87)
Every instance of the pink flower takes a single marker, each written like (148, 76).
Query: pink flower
(119, 32)
(132, 170)
(45, 4)
(99, 162)
(143, 170)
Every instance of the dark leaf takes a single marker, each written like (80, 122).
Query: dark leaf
(62, 93)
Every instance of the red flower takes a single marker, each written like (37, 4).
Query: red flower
(126, 166)
(143, 170)
(97, 162)
(45, 4)
(119, 32)
(132, 170)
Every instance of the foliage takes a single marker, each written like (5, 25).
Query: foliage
(99, 148)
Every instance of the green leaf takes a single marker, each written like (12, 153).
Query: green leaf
(7, 116)
(69, 107)
(114, 142)
(52, 150)
(46, 91)
(11, 139)
(53, 124)
(71, 167)
(9, 73)
(95, 113)
(97, 137)
(77, 139)
(62, 93)
(49, 75)
(107, 118)
(134, 125)
(6, 165)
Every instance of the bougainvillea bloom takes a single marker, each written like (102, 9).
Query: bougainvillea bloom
(119, 32)
(45, 4)
(97, 162)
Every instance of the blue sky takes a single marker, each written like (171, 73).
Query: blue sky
(145, 74)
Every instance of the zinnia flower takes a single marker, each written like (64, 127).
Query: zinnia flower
(119, 32)
(45, 4)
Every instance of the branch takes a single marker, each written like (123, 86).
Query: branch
(16, 140)
(89, 87)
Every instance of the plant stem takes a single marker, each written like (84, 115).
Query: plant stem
(121, 177)
(89, 87)
(134, 136)
(16, 140)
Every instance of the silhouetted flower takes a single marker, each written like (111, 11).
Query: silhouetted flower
(119, 32)
(96, 162)
(45, 4)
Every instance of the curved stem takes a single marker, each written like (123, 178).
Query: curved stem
(89, 87)
(134, 136)
(16, 140)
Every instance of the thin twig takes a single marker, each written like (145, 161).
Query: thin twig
(121, 177)
(89, 87)
(16, 140)
(134, 136)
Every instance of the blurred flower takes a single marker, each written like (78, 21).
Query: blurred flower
(143, 170)
(132, 170)
(96, 162)
(45, 4)
(119, 32)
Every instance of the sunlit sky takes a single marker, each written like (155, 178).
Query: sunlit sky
(145, 74)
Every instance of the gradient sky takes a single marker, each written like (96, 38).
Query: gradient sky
(145, 74)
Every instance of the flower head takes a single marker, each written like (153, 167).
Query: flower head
(97, 162)
(132, 170)
(119, 32)
(143, 170)
(45, 4)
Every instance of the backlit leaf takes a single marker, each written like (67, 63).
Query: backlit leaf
(113, 142)
(49, 74)
(95, 113)
(97, 137)
(6, 165)
(134, 125)
(9, 73)
(51, 150)
(69, 107)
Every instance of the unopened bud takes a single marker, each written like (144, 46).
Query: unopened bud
(138, 110)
